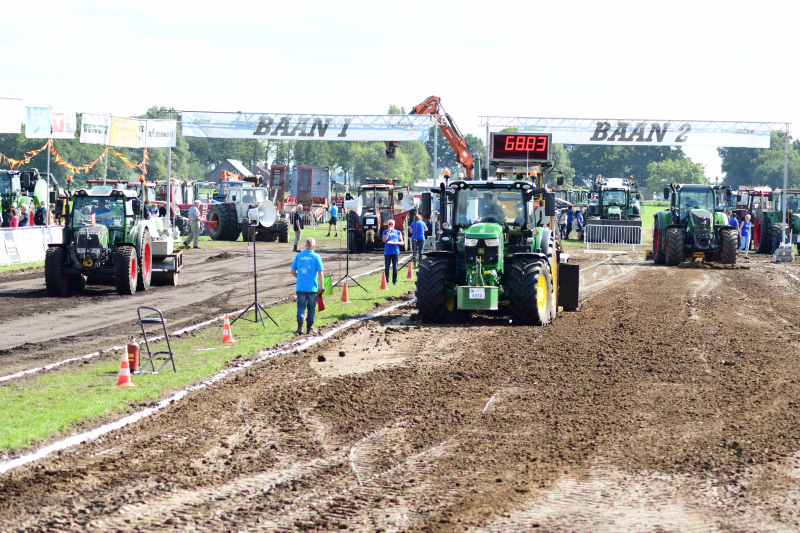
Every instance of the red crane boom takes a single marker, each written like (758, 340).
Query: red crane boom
(433, 106)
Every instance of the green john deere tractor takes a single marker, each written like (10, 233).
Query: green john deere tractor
(772, 220)
(498, 250)
(103, 237)
(693, 226)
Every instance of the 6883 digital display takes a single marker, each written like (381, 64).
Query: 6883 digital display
(522, 147)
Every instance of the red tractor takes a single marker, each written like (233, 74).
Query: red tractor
(381, 201)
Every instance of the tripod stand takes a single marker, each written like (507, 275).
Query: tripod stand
(259, 309)
(347, 277)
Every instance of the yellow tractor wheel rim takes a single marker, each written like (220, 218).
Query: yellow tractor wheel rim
(541, 292)
(450, 303)
(88, 262)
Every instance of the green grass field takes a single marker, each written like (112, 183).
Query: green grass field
(23, 266)
(58, 403)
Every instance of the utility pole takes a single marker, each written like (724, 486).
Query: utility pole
(435, 153)
(785, 185)
(169, 177)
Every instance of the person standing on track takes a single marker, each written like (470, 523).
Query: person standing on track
(195, 219)
(392, 239)
(570, 220)
(307, 267)
(418, 229)
(580, 225)
(744, 236)
(297, 222)
(333, 220)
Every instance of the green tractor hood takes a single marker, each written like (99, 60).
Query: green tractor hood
(484, 230)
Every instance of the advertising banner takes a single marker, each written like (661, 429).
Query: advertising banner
(306, 127)
(124, 132)
(64, 124)
(11, 115)
(636, 132)
(38, 122)
(96, 129)
(159, 133)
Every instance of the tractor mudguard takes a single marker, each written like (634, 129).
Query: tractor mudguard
(440, 253)
(531, 255)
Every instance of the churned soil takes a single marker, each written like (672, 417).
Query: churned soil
(668, 402)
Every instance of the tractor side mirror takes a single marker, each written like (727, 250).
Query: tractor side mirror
(425, 205)
(485, 174)
(666, 193)
(549, 204)
(729, 197)
(137, 206)
(560, 179)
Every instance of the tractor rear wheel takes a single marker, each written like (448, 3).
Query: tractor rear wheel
(727, 253)
(433, 303)
(658, 249)
(764, 244)
(55, 279)
(674, 246)
(283, 234)
(126, 270)
(356, 242)
(222, 224)
(531, 293)
(145, 263)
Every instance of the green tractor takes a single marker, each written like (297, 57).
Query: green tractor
(10, 193)
(693, 226)
(497, 250)
(771, 220)
(104, 238)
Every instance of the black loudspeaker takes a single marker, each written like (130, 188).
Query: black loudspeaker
(549, 204)
(568, 286)
(425, 205)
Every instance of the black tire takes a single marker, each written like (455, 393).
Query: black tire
(272, 236)
(356, 242)
(246, 236)
(777, 228)
(658, 246)
(433, 304)
(76, 283)
(531, 293)
(674, 246)
(126, 270)
(145, 276)
(227, 226)
(55, 279)
(766, 236)
(727, 253)
(548, 248)
(283, 234)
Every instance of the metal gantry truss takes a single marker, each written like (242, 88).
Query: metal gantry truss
(568, 124)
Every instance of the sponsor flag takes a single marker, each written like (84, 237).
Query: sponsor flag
(11, 115)
(306, 127)
(96, 129)
(64, 123)
(37, 124)
(160, 133)
(124, 132)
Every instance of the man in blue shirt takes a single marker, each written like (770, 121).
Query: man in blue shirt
(732, 220)
(332, 221)
(102, 214)
(580, 224)
(392, 239)
(307, 268)
(570, 215)
(418, 229)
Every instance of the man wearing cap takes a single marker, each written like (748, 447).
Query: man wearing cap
(194, 223)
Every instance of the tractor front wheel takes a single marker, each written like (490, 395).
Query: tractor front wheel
(531, 293)
(433, 302)
(126, 270)
(145, 263)
(55, 279)
(674, 246)
(728, 252)
(658, 249)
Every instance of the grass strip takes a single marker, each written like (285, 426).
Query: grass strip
(61, 403)
(22, 266)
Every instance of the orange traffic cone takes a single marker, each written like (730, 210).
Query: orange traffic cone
(226, 331)
(384, 287)
(124, 373)
(410, 276)
(345, 294)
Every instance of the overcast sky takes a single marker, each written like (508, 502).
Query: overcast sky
(727, 60)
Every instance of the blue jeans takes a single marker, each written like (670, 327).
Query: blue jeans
(391, 260)
(420, 244)
(306, 301)
(744, 243)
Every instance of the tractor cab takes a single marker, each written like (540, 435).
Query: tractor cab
(10, 193)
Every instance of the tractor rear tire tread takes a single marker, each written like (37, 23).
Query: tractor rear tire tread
(674, 246)
(54, 277)
(124, 261)
(658, 249)
(145, 275)
(523, 289)
(727, 253)
(432, 278)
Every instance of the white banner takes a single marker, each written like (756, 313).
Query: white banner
(158, 133)
(38, 122)
(11, 115)
(64, 123)
(306, 127)
(96, 129)
(650, 132)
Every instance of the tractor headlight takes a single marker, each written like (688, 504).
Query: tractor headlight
(492, 242)
(470, 242)
(81, 250)
(445, 225)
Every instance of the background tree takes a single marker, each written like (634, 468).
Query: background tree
(761, 166)
(662, 173)
(618, 161)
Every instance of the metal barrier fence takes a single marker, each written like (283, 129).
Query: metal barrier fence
(602, 234)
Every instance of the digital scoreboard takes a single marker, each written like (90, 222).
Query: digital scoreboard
(522, 147)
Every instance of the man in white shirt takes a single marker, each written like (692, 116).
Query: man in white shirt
(195, 218)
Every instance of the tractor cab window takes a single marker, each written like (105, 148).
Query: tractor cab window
(614, 198)
(373, 198)
(254, 196)
(89, 210)
(5, 184)
(792, 201)
(499, 206)
(696, 198)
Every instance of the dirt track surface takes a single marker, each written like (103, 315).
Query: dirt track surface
(39, 330)
(669, 402)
